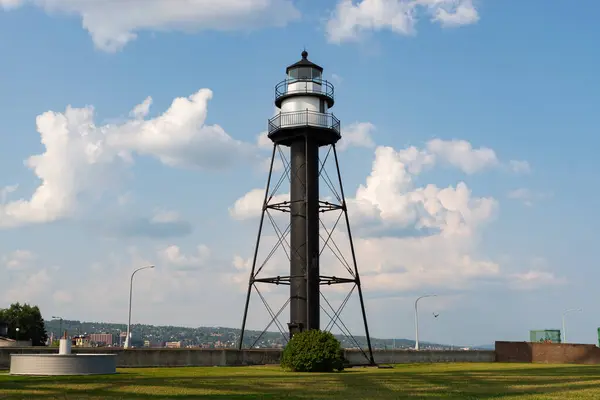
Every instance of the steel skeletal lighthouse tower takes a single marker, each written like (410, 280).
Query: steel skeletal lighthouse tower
(305, 126)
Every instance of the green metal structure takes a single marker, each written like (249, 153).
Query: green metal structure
(598, 337)
(547, 335)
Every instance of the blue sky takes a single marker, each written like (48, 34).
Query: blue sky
(498, 95)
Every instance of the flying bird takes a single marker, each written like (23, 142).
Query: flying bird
(435, 315)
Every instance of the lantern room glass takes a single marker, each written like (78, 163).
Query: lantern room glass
(304, 74)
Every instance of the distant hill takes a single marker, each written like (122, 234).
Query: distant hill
(212, 336)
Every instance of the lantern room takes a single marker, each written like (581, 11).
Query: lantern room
(304, 88)
(304, 69)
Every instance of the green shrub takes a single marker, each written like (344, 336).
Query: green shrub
(313, 351)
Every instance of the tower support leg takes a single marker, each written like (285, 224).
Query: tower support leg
(260, 226)
(357, 276)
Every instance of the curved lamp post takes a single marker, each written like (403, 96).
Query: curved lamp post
(564, 332)
(417, 318)
(128, 338)
(60, 332)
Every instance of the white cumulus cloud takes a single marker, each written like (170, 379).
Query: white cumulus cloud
(173, 256)
(461, 154)
(352, 18)
(114, 23)
(359, 134)
(84, 159)
(389, 196)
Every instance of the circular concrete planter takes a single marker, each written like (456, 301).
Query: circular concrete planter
(64, 364)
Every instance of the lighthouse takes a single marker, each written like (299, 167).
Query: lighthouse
(303, 126)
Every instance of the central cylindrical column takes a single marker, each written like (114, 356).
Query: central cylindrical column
(298, 292)
(304, 235)
(64, 347)
(312, 233)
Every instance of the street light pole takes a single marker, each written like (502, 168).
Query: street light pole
(60, 326)
(128, 338)
(564, 330)
(417, 319)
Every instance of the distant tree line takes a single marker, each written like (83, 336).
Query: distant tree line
(32, 327)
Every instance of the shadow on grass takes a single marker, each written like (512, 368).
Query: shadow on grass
(434, 381)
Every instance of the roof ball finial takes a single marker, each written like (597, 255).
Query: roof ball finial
(304, 54)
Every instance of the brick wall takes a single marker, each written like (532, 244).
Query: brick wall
(551, 353)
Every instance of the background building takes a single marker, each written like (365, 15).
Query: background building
(102, 339)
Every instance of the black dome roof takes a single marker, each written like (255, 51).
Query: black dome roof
(304, 62)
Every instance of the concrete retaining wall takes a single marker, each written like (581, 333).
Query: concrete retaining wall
(552, 353)
(208, 357)
(424, 356)
(14, 343)
(162, 357)
(67, 364)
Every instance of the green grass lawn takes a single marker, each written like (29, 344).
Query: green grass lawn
(423, 381)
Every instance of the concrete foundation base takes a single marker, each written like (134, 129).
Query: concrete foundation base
(67, 364)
